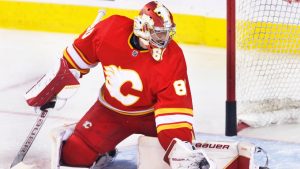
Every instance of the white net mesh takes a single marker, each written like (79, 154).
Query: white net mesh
(268, 61)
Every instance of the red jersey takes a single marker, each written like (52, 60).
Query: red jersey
(136, 84)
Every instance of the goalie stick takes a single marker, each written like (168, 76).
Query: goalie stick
(44, 109)
(33, 133)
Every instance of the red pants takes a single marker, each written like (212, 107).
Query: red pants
(99, 131)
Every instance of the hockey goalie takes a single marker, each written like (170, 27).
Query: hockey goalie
(146, 89)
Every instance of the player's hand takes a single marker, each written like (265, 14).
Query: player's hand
(182, 154)
(48, 105)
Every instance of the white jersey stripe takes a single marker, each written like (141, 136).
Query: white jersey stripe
(77, 59)
(176, 118)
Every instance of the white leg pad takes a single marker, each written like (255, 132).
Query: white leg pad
(61, 134)
(58, 135)
(220, 154)
(150, 154)
(223, 154)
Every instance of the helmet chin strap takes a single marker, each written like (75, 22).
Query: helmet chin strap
(156, 53)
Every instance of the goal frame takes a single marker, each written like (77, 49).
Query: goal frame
(271, 24)
(231, 109)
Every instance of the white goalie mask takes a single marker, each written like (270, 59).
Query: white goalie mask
(155, 27)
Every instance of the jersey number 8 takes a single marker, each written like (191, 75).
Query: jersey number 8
(180, 88)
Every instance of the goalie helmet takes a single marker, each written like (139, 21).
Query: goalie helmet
(155, 27)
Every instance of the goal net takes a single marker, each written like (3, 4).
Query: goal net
(268, 61)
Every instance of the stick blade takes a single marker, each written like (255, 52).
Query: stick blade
(21, 165)
(16, 161)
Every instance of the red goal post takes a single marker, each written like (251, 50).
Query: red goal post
(263, 63)
(231, 119)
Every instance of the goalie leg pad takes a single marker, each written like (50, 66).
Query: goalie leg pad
(59, 79)
(227, 154)
(58, 136)
(150, 154)
(72, 150)
(232, 155)
(75, 154)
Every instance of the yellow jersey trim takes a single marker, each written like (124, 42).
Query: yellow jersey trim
(82, 56)
(68, 58)
(174, 126)
(128, 41)
(173, 110)
(131, 47)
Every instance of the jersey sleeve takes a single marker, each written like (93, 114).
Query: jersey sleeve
(81, 54)
(174, 110)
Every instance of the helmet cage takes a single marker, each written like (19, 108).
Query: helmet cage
(161, 36)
